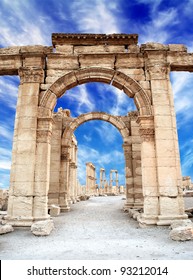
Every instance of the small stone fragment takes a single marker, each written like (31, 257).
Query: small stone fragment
(5, 229)
(42, 228)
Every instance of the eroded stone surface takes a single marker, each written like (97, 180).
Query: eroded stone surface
(42, 228)
(6, 229)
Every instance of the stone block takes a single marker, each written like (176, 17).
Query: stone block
(99, 60)
(22, 206)
(5, 229)
(182, 233)
(64, 49)
(98, 49)
(151, 205)
(62, 62)
(42, 228)
(54, 210)
(40, 207)
(129, 60)
(169, 206)
(177, 48)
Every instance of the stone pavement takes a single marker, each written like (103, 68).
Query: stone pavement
(96, 229)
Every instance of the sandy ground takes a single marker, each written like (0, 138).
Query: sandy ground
(96, 229)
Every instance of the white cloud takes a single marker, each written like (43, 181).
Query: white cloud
(9, 91)
(182, 84)
(81, 97)
(22, 23)
(157, 29)
(5, 164)
(97, 16)
(6, 132)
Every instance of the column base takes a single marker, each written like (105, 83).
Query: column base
(147, 220)
(138, 205)
(128, 205)
(64, 208)
(22, 221)
(167, 220)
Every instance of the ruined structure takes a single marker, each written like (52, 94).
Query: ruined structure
(90, 179)
(150, 142)
(114, 188)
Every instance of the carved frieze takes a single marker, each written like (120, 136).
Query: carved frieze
(31, 75)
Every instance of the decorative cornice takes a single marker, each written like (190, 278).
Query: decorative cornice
(94, 39)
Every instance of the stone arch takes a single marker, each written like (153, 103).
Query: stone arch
(96, 74)
(115, 121)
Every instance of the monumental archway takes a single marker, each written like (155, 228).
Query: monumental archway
(142, 72)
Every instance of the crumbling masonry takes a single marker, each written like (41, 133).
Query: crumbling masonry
(150, 142)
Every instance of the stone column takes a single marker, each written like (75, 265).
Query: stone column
(64, 179)
(127, 147)
(149, 171)
(21, 193)
(42, 169)
(136, 160)
(167, 151)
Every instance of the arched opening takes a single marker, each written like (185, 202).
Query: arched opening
(94, 74)
(142, 101)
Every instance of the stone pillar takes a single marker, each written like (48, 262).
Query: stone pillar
(149, 171)
(21, 194)
(136, 160)
(42, 169)
(64, 177)
(127, 147)
(55, 160)
(167, 151)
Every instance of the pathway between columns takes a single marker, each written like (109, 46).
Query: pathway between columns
(95, 229)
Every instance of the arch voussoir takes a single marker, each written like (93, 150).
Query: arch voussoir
(98, 74)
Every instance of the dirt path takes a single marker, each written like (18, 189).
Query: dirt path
(95, 229)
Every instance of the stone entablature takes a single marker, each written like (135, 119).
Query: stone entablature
(150, 143)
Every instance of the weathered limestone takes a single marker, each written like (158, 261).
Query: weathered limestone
(90, 179)
(42, 228)
(44, 161)
(3, 199)
(6, 229)
(181, 230)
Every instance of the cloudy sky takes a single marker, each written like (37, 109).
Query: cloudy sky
(31, 22)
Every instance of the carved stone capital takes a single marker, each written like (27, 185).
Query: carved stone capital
(147, 134)
(158, 71)
(31, 75)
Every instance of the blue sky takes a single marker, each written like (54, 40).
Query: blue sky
(31, 22)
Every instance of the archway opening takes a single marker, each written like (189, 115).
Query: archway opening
(96, 97)
(100, 143)
(182, 84)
